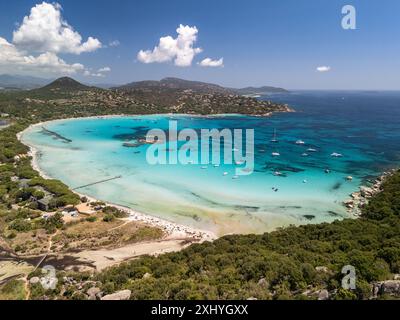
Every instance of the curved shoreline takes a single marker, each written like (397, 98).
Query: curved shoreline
(171, 229)
(164, 224)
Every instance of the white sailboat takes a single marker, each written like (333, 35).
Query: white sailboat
(274, 139)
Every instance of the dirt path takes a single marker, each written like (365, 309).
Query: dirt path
(25, 279)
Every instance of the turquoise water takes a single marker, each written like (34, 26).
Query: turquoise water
(363, 126)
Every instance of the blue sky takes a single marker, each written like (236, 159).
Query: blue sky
(262, 42)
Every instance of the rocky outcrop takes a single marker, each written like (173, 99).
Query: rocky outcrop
(390, 287)
(119, 295)
(360, 199)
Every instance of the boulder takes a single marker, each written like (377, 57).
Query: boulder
(366, 192)
(93, 291)
(119, 295)
(323, 294)
(322, 269)
(146, 275)
(34, 280)
(390, 287)
(263, 283)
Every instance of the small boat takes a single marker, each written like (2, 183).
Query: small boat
(235, 177)
(327, 171)
(275, 154)
(305, 154)
(300, 142)
(240, 162)
(305, 181)
(204, 167)
(278, 173)
(274, 139)
(225, 173)
(349, 178)
(336, 155)
(216, 165)
(312, 150)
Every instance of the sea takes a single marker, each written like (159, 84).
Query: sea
(305, 184)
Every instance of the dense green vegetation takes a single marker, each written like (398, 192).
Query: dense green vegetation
(12, 290)
(278, 265)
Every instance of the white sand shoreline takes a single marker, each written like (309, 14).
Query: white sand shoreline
(172, 230)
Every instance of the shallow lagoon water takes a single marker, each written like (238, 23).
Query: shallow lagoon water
(363, 126)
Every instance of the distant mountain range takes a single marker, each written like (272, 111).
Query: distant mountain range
(14, 82)
(176, 84)
(197, 87)
(259, 90)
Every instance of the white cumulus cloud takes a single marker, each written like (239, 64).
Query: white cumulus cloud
(208, 62)
(323, 69)
(45, 30)
(39, 39)
(181, 49)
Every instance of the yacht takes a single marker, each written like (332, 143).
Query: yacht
(336, 155)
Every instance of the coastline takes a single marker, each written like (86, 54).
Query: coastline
(171, 230)
(360, 199)
(169, 227)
